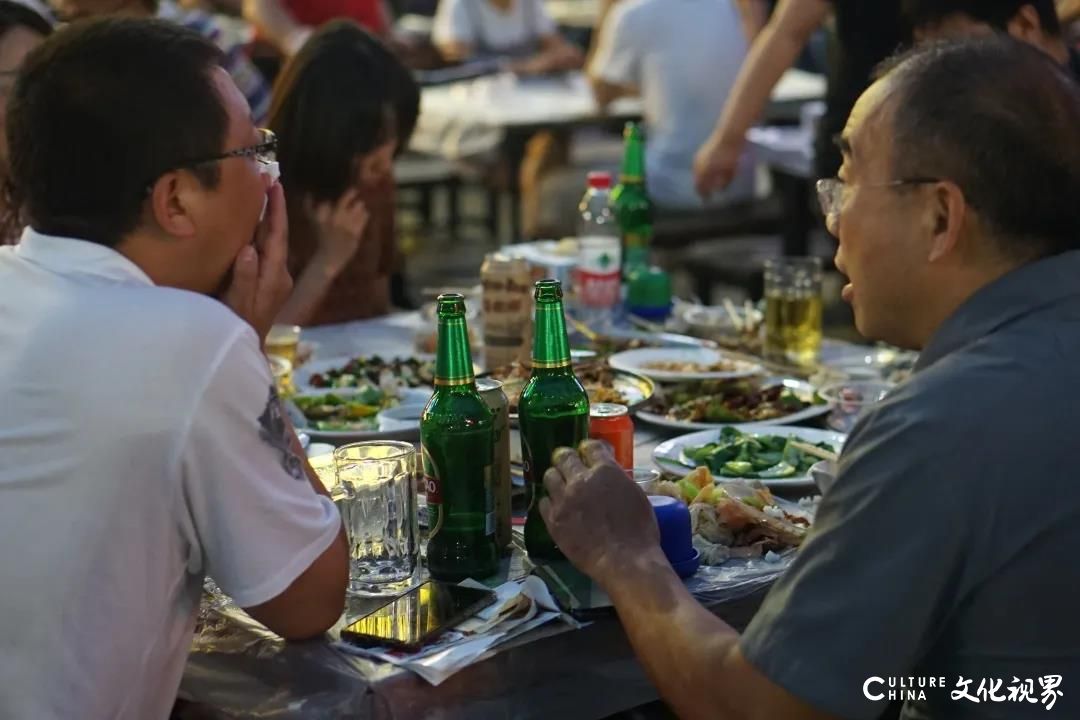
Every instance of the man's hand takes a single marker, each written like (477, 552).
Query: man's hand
(260, 282)
(715, 165)
(595, 513)
(340, 226)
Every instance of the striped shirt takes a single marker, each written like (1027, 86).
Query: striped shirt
(244, 73)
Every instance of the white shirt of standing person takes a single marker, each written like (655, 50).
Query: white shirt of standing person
(488, 29)
(683, 57)
(141, 448)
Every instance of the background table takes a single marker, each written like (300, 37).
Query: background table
(460, 120)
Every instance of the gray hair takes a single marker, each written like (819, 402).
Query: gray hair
(1002, 121)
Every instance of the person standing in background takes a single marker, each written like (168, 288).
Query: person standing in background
(682, 58)
(343, 108)
(866, 33)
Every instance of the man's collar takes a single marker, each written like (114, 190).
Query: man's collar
(70, 256)
(1016, 294)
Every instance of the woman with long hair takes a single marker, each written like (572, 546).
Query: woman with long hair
(21, 30)
(343, 107)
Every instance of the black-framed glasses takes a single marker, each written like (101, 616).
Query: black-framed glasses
(830, 191)
(265, 151)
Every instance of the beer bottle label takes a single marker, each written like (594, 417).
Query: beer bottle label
(433, 490)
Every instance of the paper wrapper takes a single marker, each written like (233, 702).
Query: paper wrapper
(520, 607)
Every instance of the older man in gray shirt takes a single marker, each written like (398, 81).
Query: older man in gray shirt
(942, 569)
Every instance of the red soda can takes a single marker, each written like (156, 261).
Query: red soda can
(612, 423)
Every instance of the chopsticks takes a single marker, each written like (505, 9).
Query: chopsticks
(814, 451)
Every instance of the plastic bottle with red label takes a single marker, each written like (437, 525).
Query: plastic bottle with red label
(597, 279)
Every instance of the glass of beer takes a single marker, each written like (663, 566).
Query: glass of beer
(282, 341)
(793, 308)
(376, 495)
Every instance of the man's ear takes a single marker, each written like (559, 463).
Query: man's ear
(1026, 26)
(948, 214)
(171, 203)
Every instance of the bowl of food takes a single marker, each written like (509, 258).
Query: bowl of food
(851, 400)
(734, 326)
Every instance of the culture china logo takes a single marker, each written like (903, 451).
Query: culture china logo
(1045, 690)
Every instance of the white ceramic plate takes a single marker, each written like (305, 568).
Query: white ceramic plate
(637, 361)
(669, 455)
(803, 389)
(337, 437)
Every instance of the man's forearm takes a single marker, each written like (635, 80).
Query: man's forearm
(682, 645)
(771, 55)
(601, 19)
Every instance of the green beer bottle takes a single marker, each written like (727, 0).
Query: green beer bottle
(631, 204)
(457, 437)
(553, 410)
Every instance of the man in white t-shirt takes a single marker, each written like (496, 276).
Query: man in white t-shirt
(520, 31)
(142, 446)
(682, 57)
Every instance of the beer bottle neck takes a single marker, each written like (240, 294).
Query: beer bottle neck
(453, 360)
(633, 164)
(551, 348)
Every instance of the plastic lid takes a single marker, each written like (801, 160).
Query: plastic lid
(600, 180)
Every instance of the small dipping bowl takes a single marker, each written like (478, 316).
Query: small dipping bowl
(850, 401)
(673, 517)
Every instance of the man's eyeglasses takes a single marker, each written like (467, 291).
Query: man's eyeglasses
(830, 191)
(264, 153)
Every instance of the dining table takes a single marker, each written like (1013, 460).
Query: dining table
(239, 669)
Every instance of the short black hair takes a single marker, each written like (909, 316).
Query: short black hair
(999, 118)
(995, 13)
(342, 95)
(14, 14)
(100, 111)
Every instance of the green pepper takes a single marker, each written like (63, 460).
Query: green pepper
(730, 433)
(766, 460)
(736, 468)
(701, 454)
(780, 470)
(688, 490)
